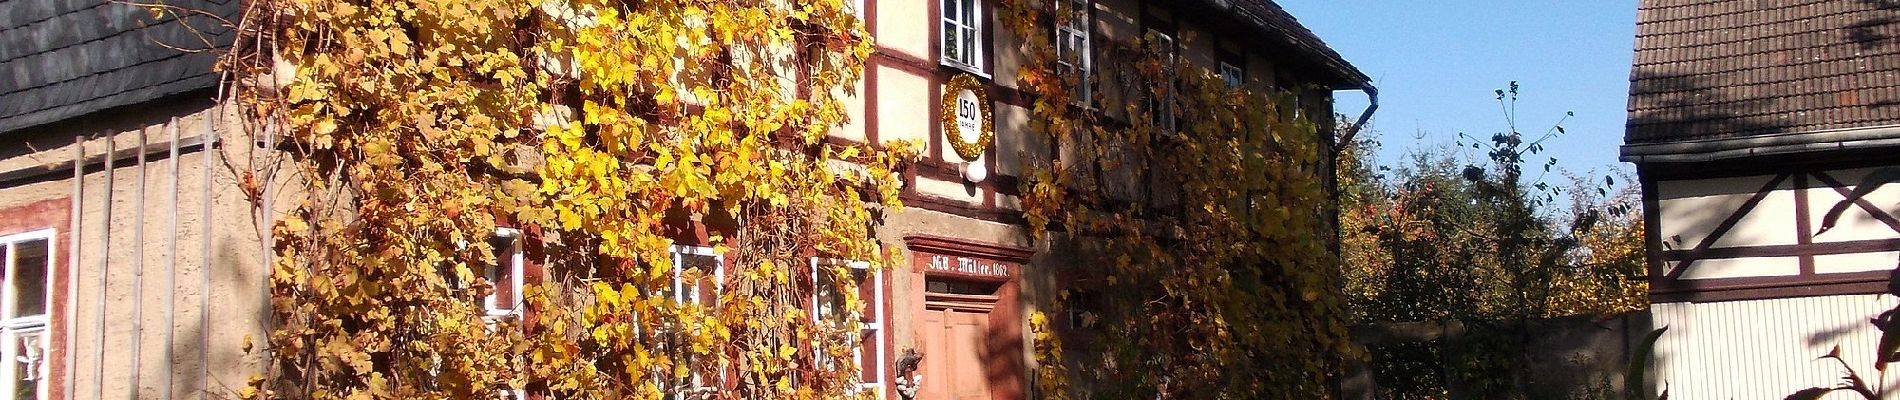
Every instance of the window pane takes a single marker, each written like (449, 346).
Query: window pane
(969, 15)
(28, 364)
(501, 273)
(867, 293)
(950, 11)
(829, 301)
(699, 279)
(969, 47)
(29, 279)
(1078, 15)
(950, 43)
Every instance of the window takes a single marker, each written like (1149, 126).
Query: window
(696, 280)
(1235, 76)
(1081, 309)
(505, 274)
(1161, 103)
(1072, 45)
(23, 319)
(962, 38)
(502, 301)
(696, 272)
(828, 304)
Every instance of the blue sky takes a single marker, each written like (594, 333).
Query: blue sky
(1437, 62)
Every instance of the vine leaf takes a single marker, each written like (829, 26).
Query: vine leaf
(1813, 393)
(1633, 382)
(1889, 343)
(1872, 182)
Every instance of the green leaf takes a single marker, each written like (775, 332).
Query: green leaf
(1633, 381)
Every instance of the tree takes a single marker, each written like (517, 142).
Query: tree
(1446, 239)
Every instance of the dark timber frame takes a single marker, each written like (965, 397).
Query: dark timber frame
(1669, 286)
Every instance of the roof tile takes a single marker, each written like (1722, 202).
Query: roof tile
(1727, 68)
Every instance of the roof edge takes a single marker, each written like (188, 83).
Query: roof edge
(1882, 136)
(1296, 36)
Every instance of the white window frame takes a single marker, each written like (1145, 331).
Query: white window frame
(954, 22)
(1234, 76)
(513, 259)
(679, 294)
(679, 254)
(12, 328)
(873, 277)
(1075, 37)
(1163, 108)
(514, 263)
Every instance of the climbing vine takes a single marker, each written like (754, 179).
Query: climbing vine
(606, 132)
(1206, 271)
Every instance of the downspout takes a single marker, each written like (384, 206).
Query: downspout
(1339, 148)
(1352, 132)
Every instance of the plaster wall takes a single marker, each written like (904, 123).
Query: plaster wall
(907, 282)
(1692, 210)
(131, 241)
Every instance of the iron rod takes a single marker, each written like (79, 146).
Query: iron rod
(105, 266)
(138, 274)
(209, 148)
(171, 272)
(72, 261)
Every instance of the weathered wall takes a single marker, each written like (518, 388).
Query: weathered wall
(1568, 358)
(132, 241)
(906, 299)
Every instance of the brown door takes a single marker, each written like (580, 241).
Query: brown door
(953, 364)
(955, 330)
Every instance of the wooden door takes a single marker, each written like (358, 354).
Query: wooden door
(955, 334)
(953, 367)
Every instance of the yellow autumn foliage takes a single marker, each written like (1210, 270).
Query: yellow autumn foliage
(605, 131)
(1203, 265)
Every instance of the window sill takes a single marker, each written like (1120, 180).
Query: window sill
(965, 68)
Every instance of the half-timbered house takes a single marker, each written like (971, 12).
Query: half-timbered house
(1748, 121)
(134, 215)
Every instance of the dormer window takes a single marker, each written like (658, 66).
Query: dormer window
(962, 34)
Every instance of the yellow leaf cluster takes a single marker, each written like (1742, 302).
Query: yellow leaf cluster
(606, 132)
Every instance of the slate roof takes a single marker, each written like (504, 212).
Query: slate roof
(61, 59)
(1731, 69)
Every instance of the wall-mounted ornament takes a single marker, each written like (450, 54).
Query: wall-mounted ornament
(975, 170)
(968, 122)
